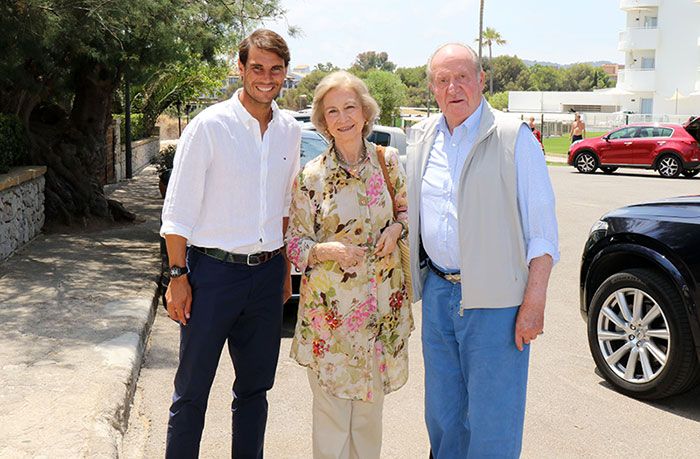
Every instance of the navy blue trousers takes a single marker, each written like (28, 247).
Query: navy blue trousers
(242, 305)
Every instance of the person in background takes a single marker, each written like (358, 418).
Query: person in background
(578, 129)
(354, 317)
(536, 132)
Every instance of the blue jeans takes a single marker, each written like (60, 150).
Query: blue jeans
(475, 377)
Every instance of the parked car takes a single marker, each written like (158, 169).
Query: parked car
(312, 145)
(640, 297)
(671, 149)
(387, 136)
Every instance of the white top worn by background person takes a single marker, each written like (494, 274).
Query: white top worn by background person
(230, 186)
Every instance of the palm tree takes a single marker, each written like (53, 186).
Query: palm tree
(481, 27)
(490, 37)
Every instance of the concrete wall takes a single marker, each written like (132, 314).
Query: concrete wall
(142, 151)
(21, 207)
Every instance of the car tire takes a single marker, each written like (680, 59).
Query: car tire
(690, 172)
(647, 353)
(608, 169)
(669, 166)
(586, 162)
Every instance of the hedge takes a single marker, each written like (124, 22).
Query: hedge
(138, 130)
(14, 149)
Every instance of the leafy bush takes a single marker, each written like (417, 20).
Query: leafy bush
(14, 149)
(164, 160)
(138, 127)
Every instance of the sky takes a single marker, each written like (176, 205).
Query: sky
(409, 30)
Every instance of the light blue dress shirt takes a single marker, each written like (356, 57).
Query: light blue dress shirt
(439, 225)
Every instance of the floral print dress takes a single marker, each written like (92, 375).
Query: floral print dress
(349, 317)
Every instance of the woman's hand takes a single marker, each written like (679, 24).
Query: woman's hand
(346, 255)
(387, 241)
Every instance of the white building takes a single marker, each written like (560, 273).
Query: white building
(661, 42)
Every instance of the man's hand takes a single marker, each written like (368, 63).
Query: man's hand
(179, 299)
(388, 239)
(530, 321)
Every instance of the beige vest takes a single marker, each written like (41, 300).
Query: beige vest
(492, 247)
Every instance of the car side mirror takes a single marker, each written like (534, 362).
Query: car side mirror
(606, 138)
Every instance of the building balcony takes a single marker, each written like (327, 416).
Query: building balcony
(637, 80)
(638, 38)
(627, 5)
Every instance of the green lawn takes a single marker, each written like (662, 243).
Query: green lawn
(560, 145)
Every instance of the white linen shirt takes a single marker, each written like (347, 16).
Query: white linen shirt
(230, 186)
(439, 225)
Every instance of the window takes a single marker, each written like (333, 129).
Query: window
(648, 63)
(624, 133)
(380, 138)
(650, 22)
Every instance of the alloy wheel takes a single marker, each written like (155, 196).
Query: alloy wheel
(585, 163)
(633, 335)
(669, 166)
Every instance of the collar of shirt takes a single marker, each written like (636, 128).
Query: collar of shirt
(245, 117)
(465, 131)
(334, 164)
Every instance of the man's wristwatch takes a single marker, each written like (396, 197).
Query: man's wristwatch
(177, 271)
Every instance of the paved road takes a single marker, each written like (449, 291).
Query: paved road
(571, 411)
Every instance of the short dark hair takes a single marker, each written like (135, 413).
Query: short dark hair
(266, 40)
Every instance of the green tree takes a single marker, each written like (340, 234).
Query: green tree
(177, 82)
(370, 60)
(499, 100)
(544, 78)
(389, 92)
(63, 60)
(327, 67)
(298, 98)
(584, 77)
(416, 81)
(490, 37)
(507, 71)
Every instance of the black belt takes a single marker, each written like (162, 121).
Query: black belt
(252, 259)
(455, 278)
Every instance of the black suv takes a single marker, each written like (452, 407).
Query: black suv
(640, 296)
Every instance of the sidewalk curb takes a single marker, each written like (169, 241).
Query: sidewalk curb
(110, 424)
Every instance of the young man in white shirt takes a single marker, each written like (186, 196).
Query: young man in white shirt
(224, 218)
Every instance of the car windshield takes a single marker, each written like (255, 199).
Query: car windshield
(312, 145)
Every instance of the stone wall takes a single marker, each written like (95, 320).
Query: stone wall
(21, 207)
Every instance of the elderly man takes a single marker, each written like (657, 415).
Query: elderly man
(483, 243)
(224, 217)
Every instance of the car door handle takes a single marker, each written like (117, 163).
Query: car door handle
(628, 143)
(661, 142)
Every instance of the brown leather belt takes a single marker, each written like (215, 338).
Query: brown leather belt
(252, 259)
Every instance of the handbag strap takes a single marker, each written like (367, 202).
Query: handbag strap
(390, 186)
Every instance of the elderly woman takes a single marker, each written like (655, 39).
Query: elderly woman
(354, 315)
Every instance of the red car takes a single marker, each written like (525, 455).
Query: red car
(671, 149)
